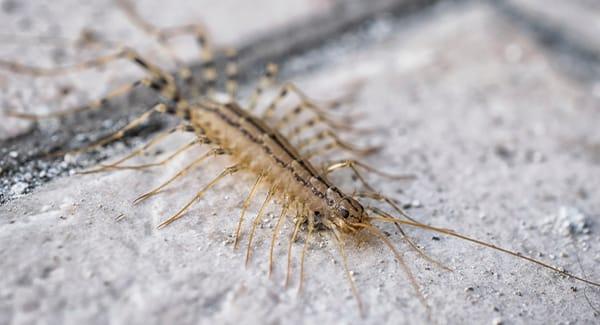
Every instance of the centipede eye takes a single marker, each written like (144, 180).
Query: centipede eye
(345, 214)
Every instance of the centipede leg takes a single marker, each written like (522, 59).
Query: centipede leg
(280, 221)
(350, 163)
(232, 73)
(154, 141)
(312, 123)
(298, 223)
(245, 206)
(266, 80)
(336, 143)
(164, 161)
(160, 81)
(158, 108)
(161, 35)
(256, 221)
(211, 153)
(308, 103)
(311, 226)
(228, 171)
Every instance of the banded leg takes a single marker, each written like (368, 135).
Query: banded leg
(293, 115)
(172, 156)
(232, 74)
(350, 163)
(211, 153)
(158, 108)
(160, 81)
(256, 221)
(228, 171)
(162, 35)
(154, 141)
(280, 221)
(265, 81)
(288, 88)
(316, 120)
(245, 206)
(335, 143)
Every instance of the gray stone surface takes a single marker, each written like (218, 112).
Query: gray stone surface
(505, 148)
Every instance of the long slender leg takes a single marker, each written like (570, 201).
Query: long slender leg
(164, 161)
(161, 82)
(280, 221)
(211, 153)
(232, 73)
(88, 106)
(350, 163)
(288, 88)
(292, 240)
(328, 134)
(321, 117)
(244, 208)
(227, 171)
(129, 9)
(311, 226)
(340, 243)
(256, 221)
(313, 122)
(162, 35)
(266, 80)
(372, 193)
(335, 144)
(158, 108)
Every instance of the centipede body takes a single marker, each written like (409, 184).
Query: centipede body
(255, 146)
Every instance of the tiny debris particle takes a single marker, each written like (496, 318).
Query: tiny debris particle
(497, 321)
(469, 289)
(13, 154)
(572, 221)
(435, 238)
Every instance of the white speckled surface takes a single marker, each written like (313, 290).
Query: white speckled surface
(505, 149)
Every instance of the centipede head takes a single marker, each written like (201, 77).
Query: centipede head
(345, 211)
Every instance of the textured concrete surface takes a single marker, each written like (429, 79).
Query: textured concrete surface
(505, 148)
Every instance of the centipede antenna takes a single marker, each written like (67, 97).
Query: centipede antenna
(385, 217)
(340, 243)
(400, 259)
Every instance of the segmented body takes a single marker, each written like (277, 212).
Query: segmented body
(258, 146)
(264, 149)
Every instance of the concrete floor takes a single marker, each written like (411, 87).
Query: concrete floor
(504, 145)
